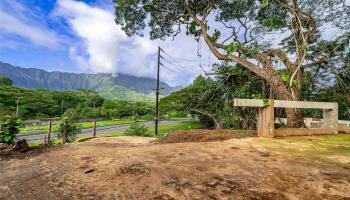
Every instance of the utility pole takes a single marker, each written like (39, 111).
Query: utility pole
(62, 107)
(17, 107)
(156, 120)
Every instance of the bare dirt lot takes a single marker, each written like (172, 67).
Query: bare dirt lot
(139, 168)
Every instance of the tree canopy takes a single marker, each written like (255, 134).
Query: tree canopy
(42, 103)
(5, 81)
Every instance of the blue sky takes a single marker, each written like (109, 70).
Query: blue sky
(81, 36)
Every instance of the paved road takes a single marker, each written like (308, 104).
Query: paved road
(39, 137)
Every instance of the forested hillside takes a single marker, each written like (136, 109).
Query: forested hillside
(122, 86)
(42, 103)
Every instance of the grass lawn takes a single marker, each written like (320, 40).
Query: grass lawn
(165, 129)
(320, 148)
(45, 128)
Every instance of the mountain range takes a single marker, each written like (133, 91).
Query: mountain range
(120, 86)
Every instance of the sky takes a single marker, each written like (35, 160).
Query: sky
(80, 36)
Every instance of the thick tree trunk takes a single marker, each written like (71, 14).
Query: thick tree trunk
(295, 118)
(218, 123)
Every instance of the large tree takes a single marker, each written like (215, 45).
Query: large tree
(213, 98)
(275, 39)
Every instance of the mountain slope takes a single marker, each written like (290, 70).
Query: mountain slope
(122, 86)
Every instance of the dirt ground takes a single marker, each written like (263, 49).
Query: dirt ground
(141, 168)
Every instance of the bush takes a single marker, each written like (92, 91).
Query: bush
(148, 117)
(69, 122)
(10, 128)
(138, 129)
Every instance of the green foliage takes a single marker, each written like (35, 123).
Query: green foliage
(5, 81)
(273, 22)
(43, 104)
(285, 74)
(305, 46)
(212, 99)
(216, 35)
(138, 129)
(265, 3)
(266, 103)
(192, 28)
(10, 128)
(252, 51)
(233, 47)
(69, 123)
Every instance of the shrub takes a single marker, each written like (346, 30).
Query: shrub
(69, 122)
(148, 117)
(10, 128)
(138, 129)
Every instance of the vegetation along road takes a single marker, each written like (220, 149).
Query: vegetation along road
(39, 137)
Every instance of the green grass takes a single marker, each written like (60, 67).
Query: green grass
(163, 130)
(320, 148)
(83, 125)
(36, 144)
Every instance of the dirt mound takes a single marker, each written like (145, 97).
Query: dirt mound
(135, 169)
(202, 136)
(8, 152)
(21, 146)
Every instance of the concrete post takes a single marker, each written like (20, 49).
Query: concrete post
(266, 120)
(330, 118)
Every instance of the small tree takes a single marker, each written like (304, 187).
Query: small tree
(138, 129)
(9, 129)
(69, 125)
(5, 81)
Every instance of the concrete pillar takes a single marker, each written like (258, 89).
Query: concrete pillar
(330, 118)
(266, 120)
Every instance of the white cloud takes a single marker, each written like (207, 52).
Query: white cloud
(104, 47)
(15, 19)
(97, 31)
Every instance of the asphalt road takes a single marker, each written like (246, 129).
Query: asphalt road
(39, 137)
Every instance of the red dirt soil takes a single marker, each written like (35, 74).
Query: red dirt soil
(107, 168)
(204, 135)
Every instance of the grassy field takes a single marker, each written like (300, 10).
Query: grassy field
(164, 129)
(45, 128)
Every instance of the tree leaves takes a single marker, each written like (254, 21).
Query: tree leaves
(273, 22)
(216, 36)
(233, 47)
(265, 3)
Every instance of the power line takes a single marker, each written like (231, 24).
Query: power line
(177, 72)
(176, 67)
(180, 68)
(171, 57)
(174, 72)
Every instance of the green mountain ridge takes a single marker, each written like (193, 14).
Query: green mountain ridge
(121, 86)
